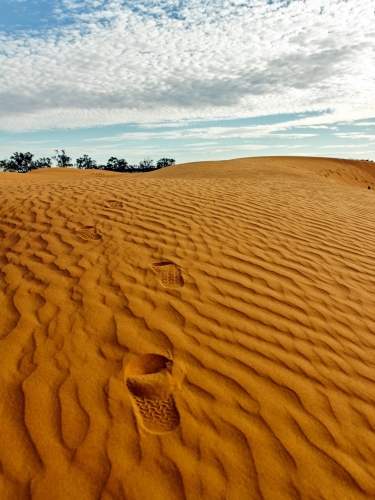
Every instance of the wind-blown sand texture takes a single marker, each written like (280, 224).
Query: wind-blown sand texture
(246, 372)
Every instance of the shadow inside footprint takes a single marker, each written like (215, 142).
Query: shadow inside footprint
(88, 233)
(113, 204)
(169, 274)
(149, 381)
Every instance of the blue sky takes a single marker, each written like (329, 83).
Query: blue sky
(187, 79)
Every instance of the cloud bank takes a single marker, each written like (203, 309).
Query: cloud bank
(150, 62)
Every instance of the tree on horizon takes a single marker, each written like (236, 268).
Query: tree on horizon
(146, 164)
(21, 161)
(40, 163)
(117, 165)
(165, 162)
(62, 159)
(85, 162)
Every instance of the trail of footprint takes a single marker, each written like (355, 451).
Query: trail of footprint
(88, 233)
(149, 380)
(169, 274)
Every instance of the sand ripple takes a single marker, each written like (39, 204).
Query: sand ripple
(264, 327)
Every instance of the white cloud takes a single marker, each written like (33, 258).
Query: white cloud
(363, 124)
(200, 144)
(355, 135)
(221, 148)
(342, 146)
(320, 127)
(190, 60)
(275, 131)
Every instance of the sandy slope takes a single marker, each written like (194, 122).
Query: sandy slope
(243, 369)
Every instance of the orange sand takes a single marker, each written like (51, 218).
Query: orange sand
(241, 367)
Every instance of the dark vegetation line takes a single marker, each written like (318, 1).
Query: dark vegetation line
(23, 162)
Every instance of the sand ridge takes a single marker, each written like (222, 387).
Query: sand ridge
(251, 377)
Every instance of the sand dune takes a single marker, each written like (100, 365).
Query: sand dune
(206, 331)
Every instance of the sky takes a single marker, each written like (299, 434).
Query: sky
(187, 79)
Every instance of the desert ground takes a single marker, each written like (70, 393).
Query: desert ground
(205, 331)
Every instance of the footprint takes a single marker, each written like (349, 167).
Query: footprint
(88, 233)
(169, 274)
(113, 204)
(149, 380)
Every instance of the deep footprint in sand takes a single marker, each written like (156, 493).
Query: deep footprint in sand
(150, 383)
(113, 204)
(169, 274)
(88, 233)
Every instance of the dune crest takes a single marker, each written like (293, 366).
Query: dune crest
(203, 331)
